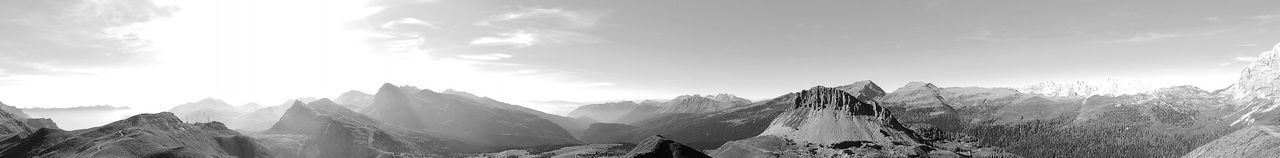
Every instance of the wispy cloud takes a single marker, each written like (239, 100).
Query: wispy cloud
(1266, 19)
(1246, 58)
(54, 37)
(1155, 36)
(539, 26)
(494, 56)
(987, 36)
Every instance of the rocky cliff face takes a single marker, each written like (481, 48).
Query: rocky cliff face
(1254, 141)
(1255, 92)
(144, 135)
(13, 121)
(464, 119)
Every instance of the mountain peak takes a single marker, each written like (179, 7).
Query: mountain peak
(864, 90)
(819, 98)
(163, 120)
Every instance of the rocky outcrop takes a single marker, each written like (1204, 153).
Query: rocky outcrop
(1254, 141)
(464, 119)
(661, 147)
(144, 135)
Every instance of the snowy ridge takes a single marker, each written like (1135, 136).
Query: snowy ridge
(1108, 87)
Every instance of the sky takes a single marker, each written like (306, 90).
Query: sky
(553, 55)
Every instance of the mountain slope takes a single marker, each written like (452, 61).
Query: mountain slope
(605, 112)
(328, 129)
(144, 135)
(1254, 141)
(455, 117)
(574, 126)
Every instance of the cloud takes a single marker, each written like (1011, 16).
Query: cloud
(539, 26)
(1267, 19)
(1153, 36)
(519, 38)
(1246, 59)
(987, 36)
(58, 37)
(403, 23)
(494, 56)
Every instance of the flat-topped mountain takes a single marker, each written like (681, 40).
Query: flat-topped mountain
(828, 122)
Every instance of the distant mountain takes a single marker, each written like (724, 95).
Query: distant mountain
(1036, 125)
(77, 108)
(1108, 87)
(263, 118)
(604, 112)
(1254, 141)
(920, 99)
(324, 128)
(354, 100)
(685, 104)
(144, 135)
(710, 130)
(574, 126)
(248, 107)
(463, 118)
(206, 110)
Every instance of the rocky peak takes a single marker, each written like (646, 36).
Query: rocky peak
(1259, 78)
(824, 98)
(864, 90)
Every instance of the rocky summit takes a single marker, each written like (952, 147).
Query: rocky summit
(661, 147)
